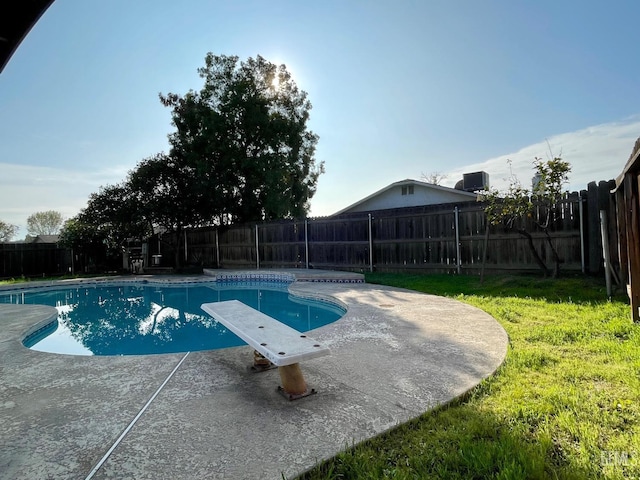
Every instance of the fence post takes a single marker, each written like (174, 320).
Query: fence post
(217, 250)
(306, 242)
(457, 227)
(370, 244)
(257, 251)
(484, 251)
(581, 200)
(593, 228)
(605, 250)
(186, 253)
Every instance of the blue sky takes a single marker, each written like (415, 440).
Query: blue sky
(399, 89)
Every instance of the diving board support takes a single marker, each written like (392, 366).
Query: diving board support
(278, 343)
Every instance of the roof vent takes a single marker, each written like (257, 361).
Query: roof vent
(472, 182)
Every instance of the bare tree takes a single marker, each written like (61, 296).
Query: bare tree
(435, 178)
(44, 223)
(7, 231)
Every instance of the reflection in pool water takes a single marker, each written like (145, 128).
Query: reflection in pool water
(138, 319)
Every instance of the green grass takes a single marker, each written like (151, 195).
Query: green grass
(564, 405)
(19, 280)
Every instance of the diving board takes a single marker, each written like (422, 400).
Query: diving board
(280, 344)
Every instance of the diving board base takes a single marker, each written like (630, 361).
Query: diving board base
(291, 396)
(260, 363)
(292, 379)
(275, 344)
(293, 386)
(261, 368)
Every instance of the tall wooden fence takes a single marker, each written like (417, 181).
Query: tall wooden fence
(438, 238)
(627, 196)
(33, 260)
(441, 238)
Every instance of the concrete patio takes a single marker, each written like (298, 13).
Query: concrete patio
(394, 355)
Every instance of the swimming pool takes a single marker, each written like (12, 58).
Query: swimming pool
(142, 319)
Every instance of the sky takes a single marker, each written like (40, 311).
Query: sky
(400, 89)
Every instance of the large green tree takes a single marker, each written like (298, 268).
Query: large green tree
(241, 151)
(115, 214)
(44, 223)
(525, 211)
(245, 140)
(168, 194)
(86, 242)
(100, 231)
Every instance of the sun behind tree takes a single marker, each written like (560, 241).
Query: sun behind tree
(243, 142)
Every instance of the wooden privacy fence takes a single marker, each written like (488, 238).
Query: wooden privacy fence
(33, 260)
(441, 238)
(627, 195)
(438, 238)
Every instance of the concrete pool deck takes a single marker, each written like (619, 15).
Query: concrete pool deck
(394, 355)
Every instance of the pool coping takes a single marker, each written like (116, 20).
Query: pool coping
(395, 354)
(209, 275)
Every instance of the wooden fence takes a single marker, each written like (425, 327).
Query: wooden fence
(33, 260)
(627, 195)
(438, 238)
(441, 238)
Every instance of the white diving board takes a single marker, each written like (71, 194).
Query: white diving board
(280, 344)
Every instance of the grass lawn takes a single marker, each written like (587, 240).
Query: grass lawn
(564, 405)
(11, 281)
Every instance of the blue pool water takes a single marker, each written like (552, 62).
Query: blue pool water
(140, 319)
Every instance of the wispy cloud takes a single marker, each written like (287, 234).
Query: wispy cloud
(26, 189)
(595, 153)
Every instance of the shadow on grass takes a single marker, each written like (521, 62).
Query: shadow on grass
(569, 288)
(455, 441)
(475, 436)
(458, 440)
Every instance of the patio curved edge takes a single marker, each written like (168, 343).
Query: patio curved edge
(421, 351)
(395, 354)
(425, 350)
(20, 321)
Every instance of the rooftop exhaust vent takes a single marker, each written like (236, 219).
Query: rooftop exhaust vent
(472, 182)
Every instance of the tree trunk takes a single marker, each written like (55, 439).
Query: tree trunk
(536, 256)
(556, 258)
(176, 250)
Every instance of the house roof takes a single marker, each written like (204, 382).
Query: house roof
(409, 181)
(17, 17)
(46, 239)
